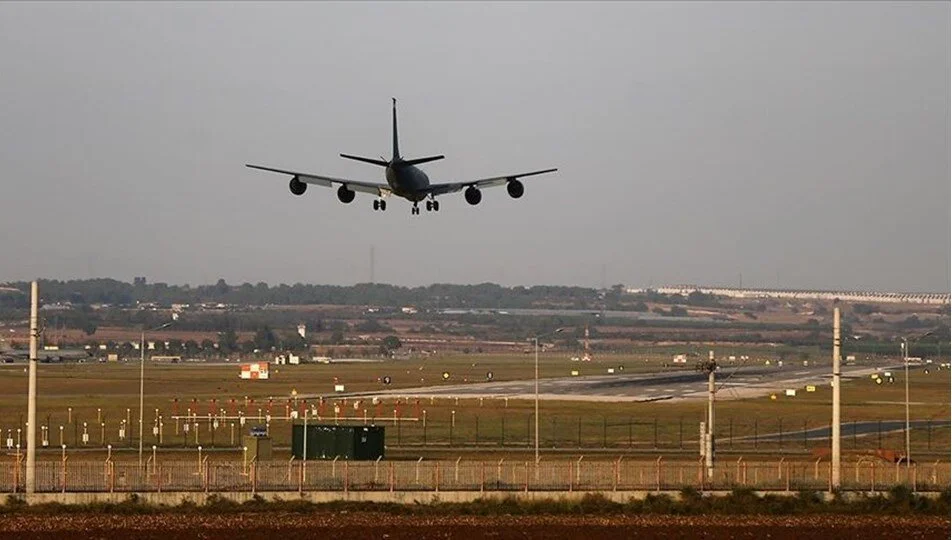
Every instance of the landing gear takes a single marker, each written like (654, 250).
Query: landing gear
(415, 211)
(380, 204)
(432, 206)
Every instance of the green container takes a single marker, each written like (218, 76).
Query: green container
(345, 442)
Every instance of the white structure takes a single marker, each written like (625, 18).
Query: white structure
(254, 370)
(845, 296)
(302, 331)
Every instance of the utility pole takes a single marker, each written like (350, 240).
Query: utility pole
(708, 435)
(31, 398)
(835, 437)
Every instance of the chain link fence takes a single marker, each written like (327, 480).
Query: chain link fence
(582, 474)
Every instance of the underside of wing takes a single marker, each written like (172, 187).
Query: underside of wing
(379, 190)
(453, 187)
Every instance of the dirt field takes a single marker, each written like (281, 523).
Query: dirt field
(368, 525)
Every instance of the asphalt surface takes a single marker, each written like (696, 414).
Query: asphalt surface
(731, 382)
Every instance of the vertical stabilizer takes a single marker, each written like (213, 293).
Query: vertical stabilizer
(396, 143)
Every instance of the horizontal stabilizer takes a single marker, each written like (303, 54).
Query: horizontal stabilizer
(422, 160)
(372, 161)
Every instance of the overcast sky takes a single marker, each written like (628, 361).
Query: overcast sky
(804, 144)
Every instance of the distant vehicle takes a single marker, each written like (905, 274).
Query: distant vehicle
(404, 180)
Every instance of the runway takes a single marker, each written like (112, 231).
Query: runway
(732, 383)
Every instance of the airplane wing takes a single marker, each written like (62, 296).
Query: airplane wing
(380, 190)
(453, 187)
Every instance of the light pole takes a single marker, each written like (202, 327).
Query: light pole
(536, 341)
(142, 382)
(905, 361)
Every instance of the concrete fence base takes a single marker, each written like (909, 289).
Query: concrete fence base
(174, 498)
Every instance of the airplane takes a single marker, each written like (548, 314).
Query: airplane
(404, 180)
(43, 354)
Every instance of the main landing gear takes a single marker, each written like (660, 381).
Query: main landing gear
(380, 204)
(431, 206)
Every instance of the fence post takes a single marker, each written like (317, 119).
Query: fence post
(301, 476)
(755, 433)
(437, 486)
(527, 477)
(788, 477)
(604, 432)
(482, 476)
(656, 432)
(658, 473)
(615, 479)
(571, 476)
(915, 476)
(629, 432)
(579, 431)
(391, 477)
(346, 476)
(700, 472)
(254, 475)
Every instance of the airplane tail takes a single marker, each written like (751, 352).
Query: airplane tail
(396, 139)
(396, 150)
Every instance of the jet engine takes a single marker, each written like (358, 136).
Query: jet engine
(345, 195)
(515, 188)
(297, 186)
(473, 195)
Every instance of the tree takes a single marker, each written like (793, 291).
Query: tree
(390, 343)
(264, 339)
(228, 340)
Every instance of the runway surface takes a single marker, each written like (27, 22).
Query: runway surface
(732, 383)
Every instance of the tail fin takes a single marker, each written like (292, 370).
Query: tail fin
(396, 143)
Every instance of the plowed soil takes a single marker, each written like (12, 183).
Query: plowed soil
(360, 525)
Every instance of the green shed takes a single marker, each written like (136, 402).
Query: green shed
(330, 441)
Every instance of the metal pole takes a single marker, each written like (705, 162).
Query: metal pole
(537, 400)
(905, 358)
(31, 399)
(835, 457)
(141, 390)
(709, 436)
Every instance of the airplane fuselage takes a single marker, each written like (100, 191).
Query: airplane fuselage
(407, 180)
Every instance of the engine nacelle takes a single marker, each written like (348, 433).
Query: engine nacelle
(297, 186)
(345, 195)
(473, 195)
(515, 188)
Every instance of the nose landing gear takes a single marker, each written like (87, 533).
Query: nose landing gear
(380, 204)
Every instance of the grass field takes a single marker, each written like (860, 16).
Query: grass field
(104, 396)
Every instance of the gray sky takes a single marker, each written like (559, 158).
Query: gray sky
(805, 141)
